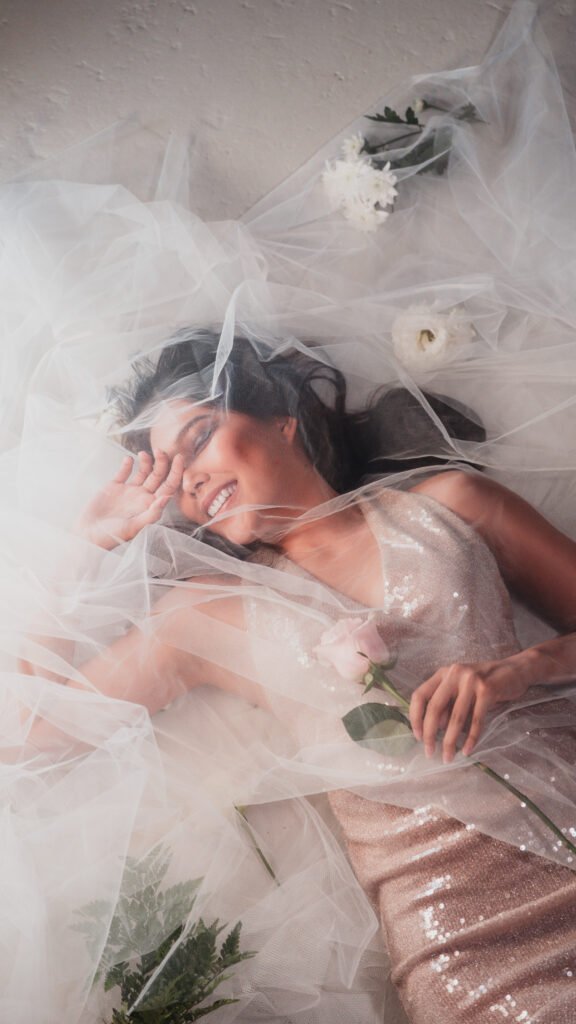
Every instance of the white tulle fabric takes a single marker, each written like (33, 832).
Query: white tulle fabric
(93, 274)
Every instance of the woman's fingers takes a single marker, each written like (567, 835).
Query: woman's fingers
(456, 722)
(157, 475)
(437, 705)
(452, 697)
(174, 478)
(151, 515)
(419, 702)
(145, 464)
(479, 715)
(159, 471)
(124, 471)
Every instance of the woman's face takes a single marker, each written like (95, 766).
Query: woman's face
(240, 474)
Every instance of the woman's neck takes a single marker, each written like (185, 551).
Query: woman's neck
(320, 530)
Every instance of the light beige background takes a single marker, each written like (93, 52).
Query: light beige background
(263, 83)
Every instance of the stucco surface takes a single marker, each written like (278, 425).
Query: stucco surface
(261, 84)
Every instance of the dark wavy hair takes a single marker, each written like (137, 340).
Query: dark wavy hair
(392, 434)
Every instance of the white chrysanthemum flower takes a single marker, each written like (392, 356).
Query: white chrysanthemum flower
(424, 339)
(360, 190)
(364, 215)
(351, 148)
(340, 179)
(378, 185)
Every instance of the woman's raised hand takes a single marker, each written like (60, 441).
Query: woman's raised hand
(125, 506)
(457, 698)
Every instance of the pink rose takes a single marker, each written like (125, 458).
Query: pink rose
(349, 646)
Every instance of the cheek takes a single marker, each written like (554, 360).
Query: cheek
(187, 507)
(238, 450)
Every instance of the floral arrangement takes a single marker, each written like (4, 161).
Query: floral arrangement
(363, 183)
(424, 339)
(357, 652)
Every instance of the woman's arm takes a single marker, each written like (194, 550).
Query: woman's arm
(181, 646)
(119, 511)
(538, 563)
(184, 644)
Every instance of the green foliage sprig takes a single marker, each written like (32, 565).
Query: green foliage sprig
(432, 151)
(168, 984)
(190, 968)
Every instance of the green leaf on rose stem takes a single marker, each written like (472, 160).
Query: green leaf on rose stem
(380, 727)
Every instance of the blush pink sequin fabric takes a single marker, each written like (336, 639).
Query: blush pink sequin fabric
(477, 931)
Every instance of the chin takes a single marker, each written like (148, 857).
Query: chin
(237, 534)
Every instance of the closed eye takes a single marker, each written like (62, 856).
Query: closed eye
(196, 440)
(201, 439)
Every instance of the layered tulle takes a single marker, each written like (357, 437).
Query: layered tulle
(92, 276)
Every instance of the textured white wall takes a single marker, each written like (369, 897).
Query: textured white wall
(265, 81)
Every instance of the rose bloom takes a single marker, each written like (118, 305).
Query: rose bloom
(349, 646)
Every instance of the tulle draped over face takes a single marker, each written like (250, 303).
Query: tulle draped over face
(94, 280)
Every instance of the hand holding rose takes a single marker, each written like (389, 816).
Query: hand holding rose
(456, 698)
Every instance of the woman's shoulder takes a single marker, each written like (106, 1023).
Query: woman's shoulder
(462, 500)
(471, 495)
(489, 510)
(457, 489)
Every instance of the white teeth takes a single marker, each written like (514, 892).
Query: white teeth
(222, 496)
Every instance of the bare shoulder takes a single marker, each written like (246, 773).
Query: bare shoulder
(537, 561)
(469, 494)
(498, 514)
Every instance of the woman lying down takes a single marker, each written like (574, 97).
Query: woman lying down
(304, 584)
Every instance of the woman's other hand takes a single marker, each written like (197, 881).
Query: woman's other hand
(125, 506)
(457, 698)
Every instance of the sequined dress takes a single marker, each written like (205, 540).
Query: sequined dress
(477, 930)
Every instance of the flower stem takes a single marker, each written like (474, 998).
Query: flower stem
(381, 681)
(529, 803)
(248, 829)
(392, 143)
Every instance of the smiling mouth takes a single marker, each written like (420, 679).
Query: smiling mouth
(218, 502)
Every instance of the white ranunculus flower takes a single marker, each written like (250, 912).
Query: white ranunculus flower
(424, 339)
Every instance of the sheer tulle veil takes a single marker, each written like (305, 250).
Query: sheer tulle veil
(97, 271)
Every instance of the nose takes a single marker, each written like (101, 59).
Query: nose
(193, 481)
